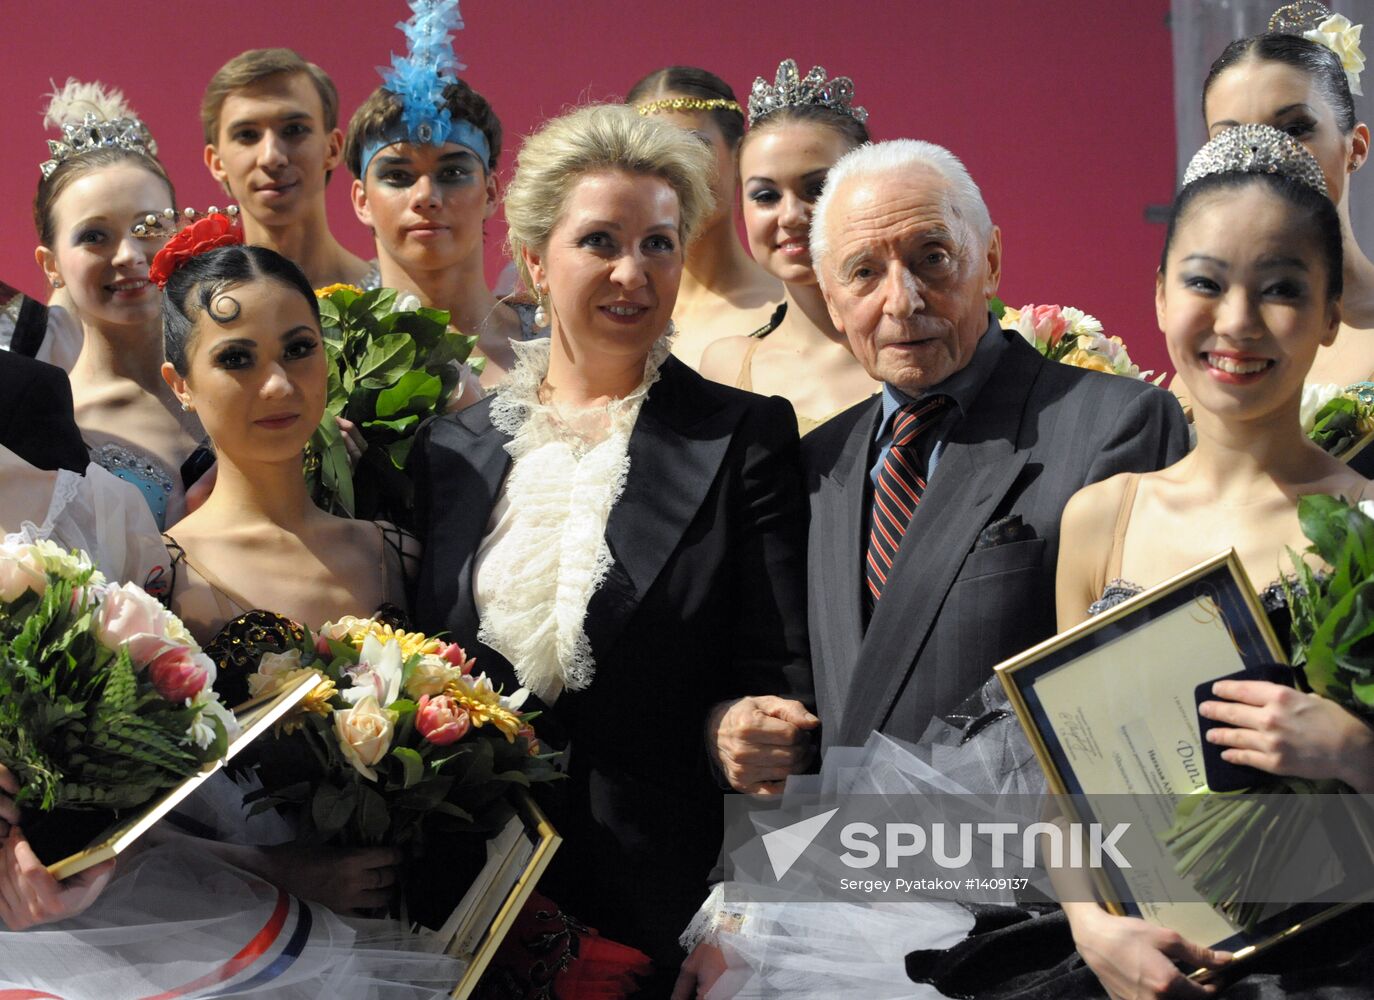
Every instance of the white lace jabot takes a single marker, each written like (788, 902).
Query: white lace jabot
(545, 550)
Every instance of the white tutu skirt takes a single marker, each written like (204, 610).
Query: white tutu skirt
(176, 921)
(829, 950)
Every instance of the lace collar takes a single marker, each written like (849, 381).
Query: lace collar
(517, 400)
(569, 470)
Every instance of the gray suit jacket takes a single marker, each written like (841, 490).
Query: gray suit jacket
(955, 606)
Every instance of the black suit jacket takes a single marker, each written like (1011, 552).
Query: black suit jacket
(705, 601)
(1037, 432)
(36, 419)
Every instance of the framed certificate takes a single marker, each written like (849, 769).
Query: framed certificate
(517, 855)
(255, 718)
(1111, 713)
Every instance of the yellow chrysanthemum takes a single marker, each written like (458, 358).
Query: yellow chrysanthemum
(338, 286)
(317, 702)
(411, 643)
(484, 706)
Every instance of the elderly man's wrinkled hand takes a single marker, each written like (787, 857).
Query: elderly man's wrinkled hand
(758, 741)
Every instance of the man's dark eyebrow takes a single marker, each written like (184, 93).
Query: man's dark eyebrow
(293, 116)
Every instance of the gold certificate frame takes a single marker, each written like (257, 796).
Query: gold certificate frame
(1110, 711)
(517, 856)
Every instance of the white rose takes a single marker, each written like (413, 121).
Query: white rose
(430, 676)
(273, 669)
(407, 302)
(1342, 38)
(1366, 508)
(339, 631)
(21, 570)
(364, 733)
(1314, 396)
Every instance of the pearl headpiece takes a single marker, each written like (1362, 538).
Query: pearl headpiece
(791, 90)
(1256, 149)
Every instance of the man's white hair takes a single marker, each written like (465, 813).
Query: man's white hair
(893, 157)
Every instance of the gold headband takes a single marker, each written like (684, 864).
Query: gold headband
(690, 104)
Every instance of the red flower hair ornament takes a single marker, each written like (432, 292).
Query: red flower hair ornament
(210, 233)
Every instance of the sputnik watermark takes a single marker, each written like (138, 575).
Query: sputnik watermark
(901, 841)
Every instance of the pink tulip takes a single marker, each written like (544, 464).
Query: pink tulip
(441, 720)
(179, 674)
(453, 653)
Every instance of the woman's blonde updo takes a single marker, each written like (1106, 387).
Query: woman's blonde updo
(596, 138)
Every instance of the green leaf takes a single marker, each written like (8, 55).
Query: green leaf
(398, 425)
(381, 302)
(372, 817)
(413, 764)
(386, 359)
(399, 452)
(414, 392)
(331, 808)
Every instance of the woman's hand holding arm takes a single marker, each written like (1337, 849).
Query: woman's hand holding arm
(1284, 731)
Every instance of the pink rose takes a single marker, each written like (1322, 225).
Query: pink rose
(1048, 323)
(454, 654)
(179, 674)
(531, 740)
(322, 646)
(441, 720)
(129, 616)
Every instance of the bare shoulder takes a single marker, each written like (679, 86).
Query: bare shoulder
(1093, 510)
(722, 360)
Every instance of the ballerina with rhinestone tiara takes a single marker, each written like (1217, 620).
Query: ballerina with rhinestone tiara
(97, 191)
(798, 128)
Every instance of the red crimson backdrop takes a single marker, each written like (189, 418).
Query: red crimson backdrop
(1061, 110)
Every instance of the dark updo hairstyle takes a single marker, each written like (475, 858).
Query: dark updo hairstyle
(690, 81)
(850, 128)
(1314, 217)
(1317, 61)
(198, 285)
(50, 188)
(382, 111)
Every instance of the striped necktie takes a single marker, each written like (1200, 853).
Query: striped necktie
(897, 493)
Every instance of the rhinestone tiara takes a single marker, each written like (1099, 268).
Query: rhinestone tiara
(791, 90)
(1256, 149)
(93, 132)
(1295, 18)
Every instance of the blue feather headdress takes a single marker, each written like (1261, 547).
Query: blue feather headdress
(419, 78)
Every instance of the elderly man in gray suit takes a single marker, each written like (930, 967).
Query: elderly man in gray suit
(935, 505)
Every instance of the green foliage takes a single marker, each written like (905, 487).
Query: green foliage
(1333, 614)
(1340, 424)
(80, 727)
(389, 371)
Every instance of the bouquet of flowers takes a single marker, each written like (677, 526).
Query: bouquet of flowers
(1337, 419)
(1231, 841)
(401, 734)
(1070, 336)
(392, 363)
(105, 699)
